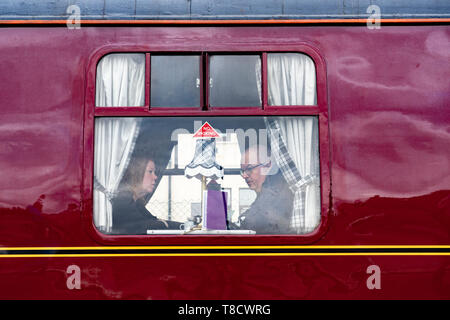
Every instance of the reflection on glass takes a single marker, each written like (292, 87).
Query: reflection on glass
(234, 81)
(175, 81)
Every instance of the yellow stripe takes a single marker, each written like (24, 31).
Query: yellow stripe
(256, 254)
(222, 254)
(233, 247)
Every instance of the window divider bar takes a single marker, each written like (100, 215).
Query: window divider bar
(202, 81)
(147, 80)
(206, 81)
(264, 84)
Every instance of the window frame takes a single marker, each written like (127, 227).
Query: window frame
(319, 110)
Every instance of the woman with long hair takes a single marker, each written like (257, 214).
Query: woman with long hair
(130, 216)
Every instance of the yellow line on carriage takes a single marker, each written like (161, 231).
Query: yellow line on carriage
(224, 254)
(233, 247)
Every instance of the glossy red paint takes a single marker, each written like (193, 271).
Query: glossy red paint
(383, 98)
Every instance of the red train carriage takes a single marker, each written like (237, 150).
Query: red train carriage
(215, 155)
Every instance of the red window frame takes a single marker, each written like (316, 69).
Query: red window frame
(320, 110)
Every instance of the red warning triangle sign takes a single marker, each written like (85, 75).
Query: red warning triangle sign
(206, 131)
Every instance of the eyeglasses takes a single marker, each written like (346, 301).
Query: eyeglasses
(247, 171)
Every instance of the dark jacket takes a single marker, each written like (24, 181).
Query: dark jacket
(131, 217)
(271, 211)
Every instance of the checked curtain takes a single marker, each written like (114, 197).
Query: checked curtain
(294, 140)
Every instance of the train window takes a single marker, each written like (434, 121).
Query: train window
(205, 170)
(206, 175)
(120, 80)
(233, 81)
(291, 79)
(175, 81)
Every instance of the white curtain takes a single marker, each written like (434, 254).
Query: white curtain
(301, 136)
(120, 82)
(292, 81)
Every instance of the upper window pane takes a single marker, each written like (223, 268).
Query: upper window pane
(121, 80)
(291, 79)
(175, 81)
(235, 81)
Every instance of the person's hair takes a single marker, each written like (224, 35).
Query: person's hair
(134, 173)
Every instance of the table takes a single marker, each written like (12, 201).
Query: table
(203, 232)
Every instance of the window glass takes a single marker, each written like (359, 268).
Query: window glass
(235, 81)
(246, 197)
(120, 80)
(175, 81)
(206, 175)
(291, 79)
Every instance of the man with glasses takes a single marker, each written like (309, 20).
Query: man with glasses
(271, 211)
